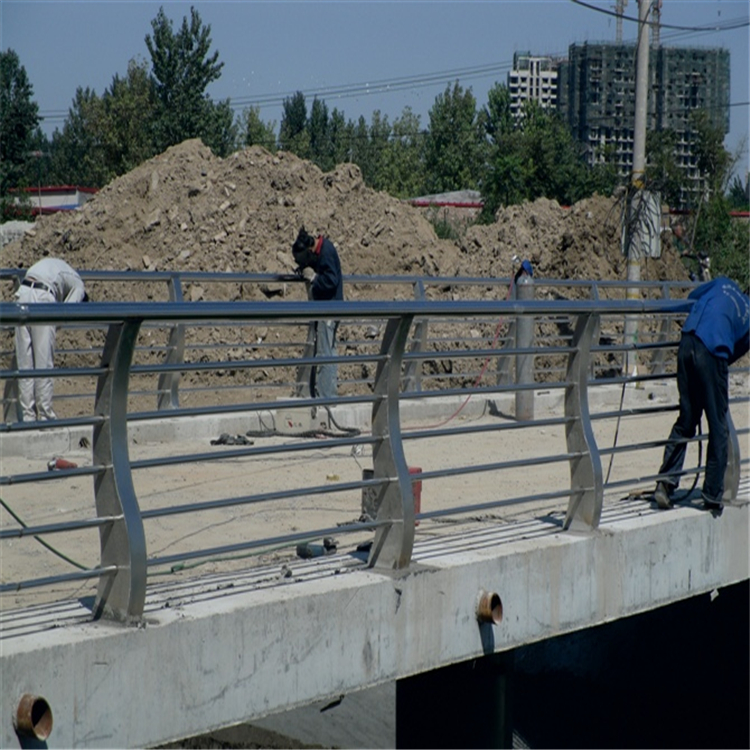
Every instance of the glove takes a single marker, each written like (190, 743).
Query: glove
(308, 274)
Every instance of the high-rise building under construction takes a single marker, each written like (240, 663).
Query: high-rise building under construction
(596, 95)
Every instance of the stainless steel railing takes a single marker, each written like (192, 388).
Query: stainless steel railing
(173, 344)
(124, 512)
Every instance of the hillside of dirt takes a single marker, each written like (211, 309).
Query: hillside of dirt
(188, 210)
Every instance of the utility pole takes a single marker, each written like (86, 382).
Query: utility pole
(635, 213)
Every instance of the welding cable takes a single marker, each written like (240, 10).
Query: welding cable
(41, 541)
(617, 432)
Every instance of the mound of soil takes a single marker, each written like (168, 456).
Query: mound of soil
(188, 210)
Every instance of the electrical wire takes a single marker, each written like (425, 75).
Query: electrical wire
(736, 23)
(40, 540)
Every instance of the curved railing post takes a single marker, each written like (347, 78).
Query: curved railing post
(732, 473)
(169, 382)
(123, 543)
(393, 543)
(586, 483)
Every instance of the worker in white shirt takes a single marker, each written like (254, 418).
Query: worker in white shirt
(48, 280)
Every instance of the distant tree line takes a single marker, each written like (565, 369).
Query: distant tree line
(162, 102)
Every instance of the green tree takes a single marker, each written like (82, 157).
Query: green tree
(318, 127)
(663, 173)
(19, 121)
(361, 150)
(401, 170)
(340, 136)
(129, 110)
(293, 133)
(182, 69)
(453, 145)
(715, 234)
(78, 154)
(504, 175)
(257, 132)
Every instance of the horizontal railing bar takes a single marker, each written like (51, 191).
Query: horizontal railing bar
(176, 510)
(496, 504)
(50, 424)
(497, 466)
(248, 452)
(51, 476)
(269, 542)
(269, 406)
(54, 528)
(81, 575)
(418, 434)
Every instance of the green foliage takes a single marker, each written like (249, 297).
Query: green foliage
(19, 119)
(533, 156)
(257, 132)
(78, 153)
(739, 195)
(663, 174)
(293, 134)
(732, 258)
(453, 144)
(724, 240)
(181, 72)
(400, 167)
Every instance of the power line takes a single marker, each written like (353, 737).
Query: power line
(735, 23)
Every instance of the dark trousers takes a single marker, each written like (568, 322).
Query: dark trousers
(703, 385)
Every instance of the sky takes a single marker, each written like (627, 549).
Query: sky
(357, 55)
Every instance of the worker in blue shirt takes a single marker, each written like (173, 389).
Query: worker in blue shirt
(318, 262)
(716, 333)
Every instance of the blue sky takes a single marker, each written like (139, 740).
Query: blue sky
(273, 48)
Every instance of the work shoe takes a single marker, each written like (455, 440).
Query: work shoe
(661, 495)
(710, 504)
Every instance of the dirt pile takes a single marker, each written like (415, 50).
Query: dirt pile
(188, 210)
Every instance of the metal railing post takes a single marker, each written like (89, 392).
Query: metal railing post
(12, 411)
(504, 361)
(413, 369)
(123, 543)
(169, 382)
(732, 472)
(586, 481)
(657, 357)
(393, 544)
(525, 362)
(11, 402)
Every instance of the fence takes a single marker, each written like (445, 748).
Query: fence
(409, 354)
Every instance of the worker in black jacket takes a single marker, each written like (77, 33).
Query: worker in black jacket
(318, 261)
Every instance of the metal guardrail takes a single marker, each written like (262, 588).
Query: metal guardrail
(124, 562)
(174, 344)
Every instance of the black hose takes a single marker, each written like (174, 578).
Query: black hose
(40, 540)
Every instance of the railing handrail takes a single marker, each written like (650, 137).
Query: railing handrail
(169, 312)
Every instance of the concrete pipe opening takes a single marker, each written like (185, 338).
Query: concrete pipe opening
(33, 717)
(490, 608)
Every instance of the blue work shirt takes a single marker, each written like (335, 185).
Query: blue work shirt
(720, 318)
